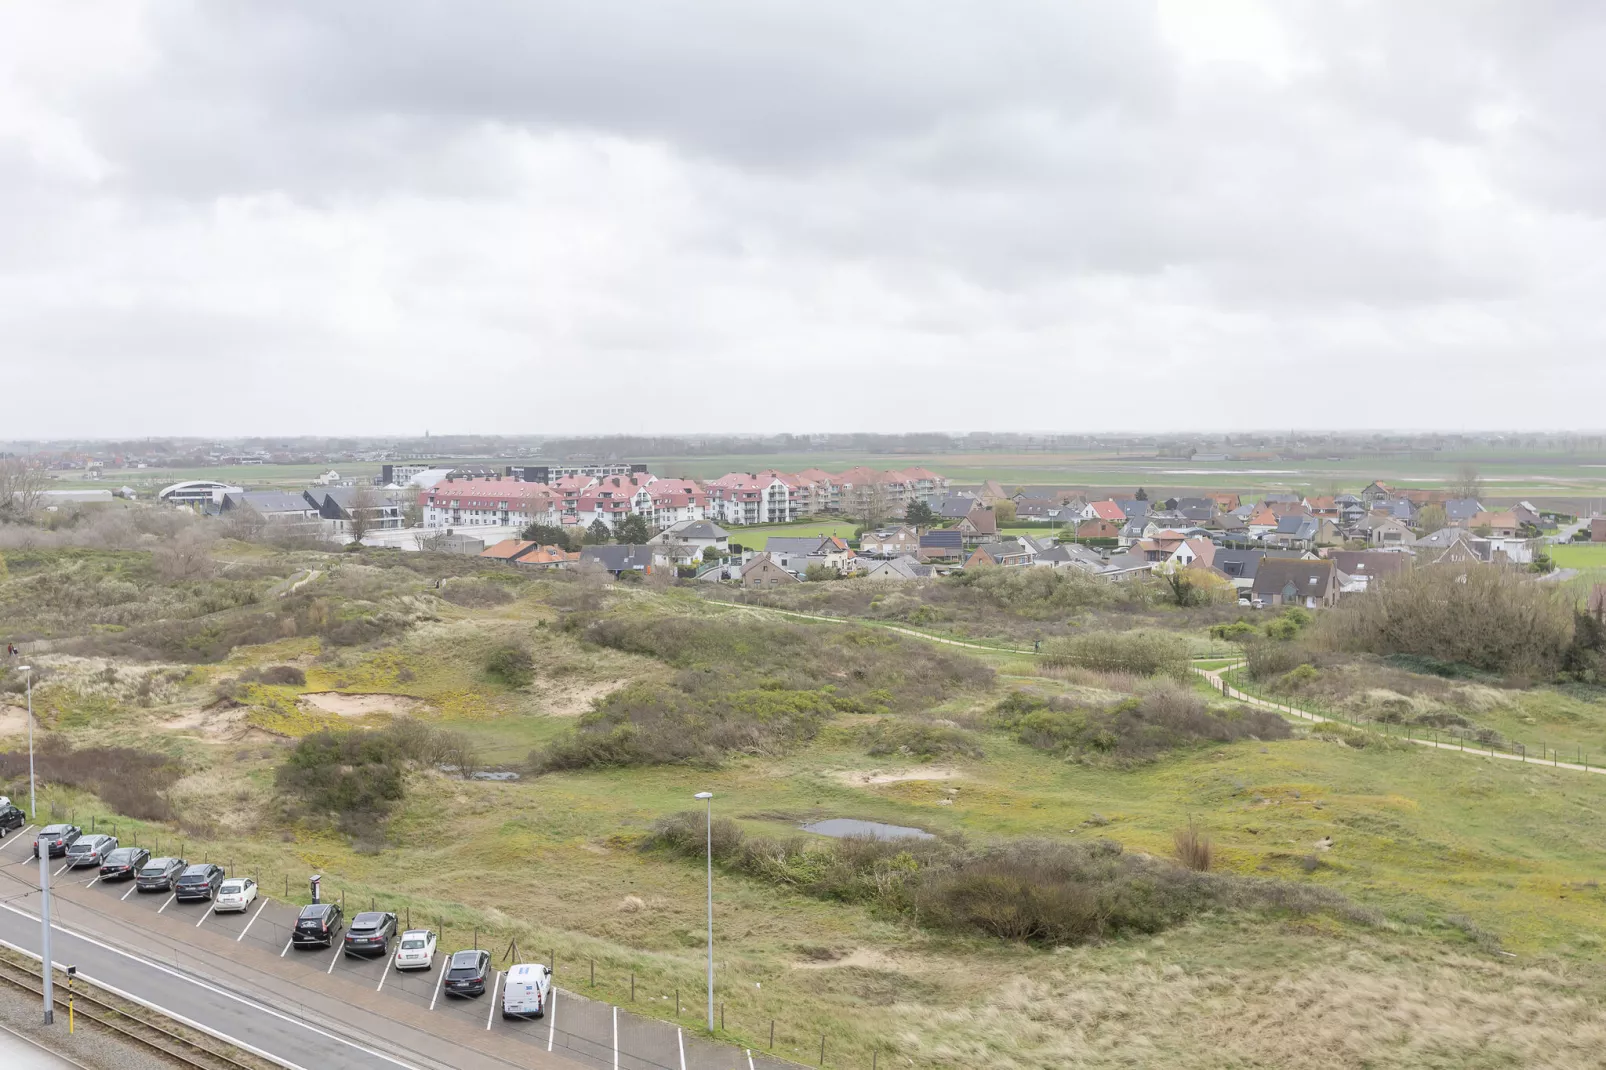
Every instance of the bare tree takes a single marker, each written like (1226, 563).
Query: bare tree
(244, 523)
(870, 506)
(363, 509)
(1467, 482)
(22, 489)
(187, 556)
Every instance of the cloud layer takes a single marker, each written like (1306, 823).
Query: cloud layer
(745, 215)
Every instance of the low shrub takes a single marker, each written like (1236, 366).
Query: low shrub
(1042, 892)
(135, 783)
(355, 777)
(1237, 632)
(1144, 653)
(921, 740)
(1193, 847)
(512, 665)
(1163, 719)
(476, 594)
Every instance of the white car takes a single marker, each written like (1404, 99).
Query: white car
(416, 950)
(525, 991)
(236, 893)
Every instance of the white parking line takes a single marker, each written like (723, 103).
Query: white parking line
(92, 883)
(495, 984)
(132, 888)
(680, 1042)
(749, 1059)
(440, 981)
(616, 1038)
(389, 961)
(340, 949)
(18, 834)
(167, 904)
(253, 921)
(208, 914)
(62, 870)
(551, 1017)
(287, 944)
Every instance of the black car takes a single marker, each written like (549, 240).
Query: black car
(124, 863)
(467, 973)
(317, 926)
(199, 881)
(58, 838)
(11, 819)
(160, 874)
(370, 933)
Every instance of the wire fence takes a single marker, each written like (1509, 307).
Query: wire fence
(1458, 737)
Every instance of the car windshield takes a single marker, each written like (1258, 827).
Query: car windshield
(232, 886)
(197, 871)
(465, 960)
(81, 848)
(367, 920)
(414, 944)
(155, 869)
(122, 854)
(53, 830)
(313, 913)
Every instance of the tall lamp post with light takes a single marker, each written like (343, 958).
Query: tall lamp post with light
(33, 805)
(43, 851)
(708, 797)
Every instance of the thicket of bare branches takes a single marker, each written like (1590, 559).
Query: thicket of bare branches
(1487, 617)
(22, 489)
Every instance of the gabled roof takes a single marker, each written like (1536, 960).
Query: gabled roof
(509, 549)
(619, 558)
(268, 502)
(956, 506)
(1370, 562)
(1238, 564)
(790, 545)
(696, 529)
(1297, 526)
(1462, 508)
(760, 560)
(904, 566)
(983, 521)
(1108, 510)
(1310, 578)
(943, 538)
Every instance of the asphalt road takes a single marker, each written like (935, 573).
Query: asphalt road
(237, 977)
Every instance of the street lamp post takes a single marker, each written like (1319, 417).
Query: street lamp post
(708, 797)
(33, 805)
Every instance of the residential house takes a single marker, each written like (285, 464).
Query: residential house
(942, 544)
(957, 506)
(1527, 514)
(1191, 552)
(1194, 510)
(1385, 531)
(1322, 505)
(1132, 508)
(1361, 567)
(1070, 555)
(1104, 510)
(1262, 521)
(624, 557)
(764, 570)
(1376, 492)
(1124, 566)
(793, 546)
(509, 549)
(548, 557)
(1098, 528)
(898, 570)
(1350, 510)
(835, 553)
(978, 527)
(1225, 502)
(1000, 553)
(1239, 566)
(1460, 511)
(1402, 509)
(1037, 508)
(287, 512)
(1499, 525)
(895, 542)
(687, 541)
(1281, 581)
(337, 505)
(992, 493)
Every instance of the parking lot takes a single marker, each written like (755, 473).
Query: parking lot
(582, 1029)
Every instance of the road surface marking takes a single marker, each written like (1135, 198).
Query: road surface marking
(616, 1038)
(287, 944)
(225, 993)
(132, 888)
(167, 904)
(208, 914)
(749, 1059)
(253, 921)
(440, 981)
(62, 870)
(680, 1042)
(18, 834)
(92, 883)
(496, 982)
(388, 962)
(551, 1017)
(341, 950)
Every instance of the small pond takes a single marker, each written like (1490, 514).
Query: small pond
(841, 827)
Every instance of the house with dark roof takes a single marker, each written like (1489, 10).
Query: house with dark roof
(978, 527)
(957, 506)
(1462, 510)
(1239, 566)
(899, 570)
(765, 570)
(1361, 567)
(1070, 555)
(893, 542)
(1282, 581)
(942, 544)
(791, 546)
(624, 558)
(999, 553)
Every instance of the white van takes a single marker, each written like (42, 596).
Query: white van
(526, 988)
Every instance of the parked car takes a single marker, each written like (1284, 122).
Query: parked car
(318, 925)
(91, 850)
(525, 991)
(57, 839)
(160, 874)
(370, 932)
(200, 881)
(236, 893)
(416, 950)
(467, 973)
(124, 863)
(11, 819)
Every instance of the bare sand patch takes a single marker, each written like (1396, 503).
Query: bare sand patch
(13, 720)
(343, 705)
(211, 722)
(572, 699)
(862, 778)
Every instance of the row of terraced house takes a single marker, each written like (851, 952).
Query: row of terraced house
(740, 498)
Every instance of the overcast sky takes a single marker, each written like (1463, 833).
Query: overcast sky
(746, 215)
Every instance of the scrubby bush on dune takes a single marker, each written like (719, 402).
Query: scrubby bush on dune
(132, 782)
(921, 740)
(512, 665)
(1165, 718)
(1038, 891)
(1143, 653)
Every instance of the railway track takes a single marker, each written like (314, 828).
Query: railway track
(160, 1038)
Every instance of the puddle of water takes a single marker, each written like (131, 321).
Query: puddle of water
(841, 827)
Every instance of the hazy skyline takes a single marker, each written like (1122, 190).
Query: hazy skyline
(743, 216)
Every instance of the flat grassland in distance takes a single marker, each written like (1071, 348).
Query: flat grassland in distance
(757, 536)
(1484, 873)
(1579, 555)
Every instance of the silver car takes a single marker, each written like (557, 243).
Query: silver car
(91, 850)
